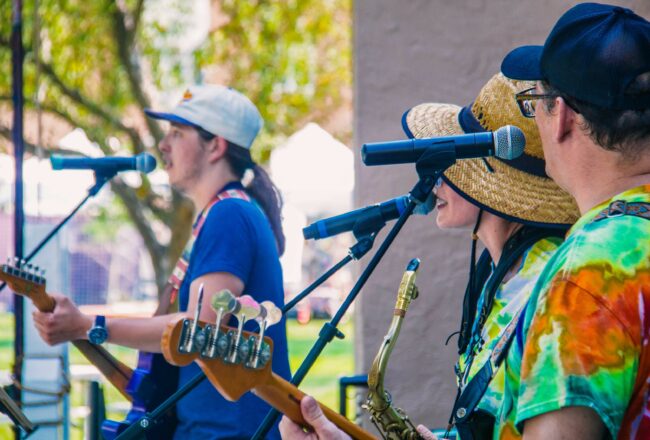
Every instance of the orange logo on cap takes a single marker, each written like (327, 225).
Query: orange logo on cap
(187, 95)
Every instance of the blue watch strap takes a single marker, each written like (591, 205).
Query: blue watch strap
(98, 334)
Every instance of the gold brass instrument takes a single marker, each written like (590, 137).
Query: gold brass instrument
(392, 422)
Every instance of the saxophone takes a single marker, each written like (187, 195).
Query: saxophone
(392, 423)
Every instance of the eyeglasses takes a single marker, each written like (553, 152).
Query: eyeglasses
(526, 101)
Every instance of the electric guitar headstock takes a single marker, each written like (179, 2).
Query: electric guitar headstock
(236, 361)
(27, 280)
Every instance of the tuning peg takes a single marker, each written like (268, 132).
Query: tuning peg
(190, 341)
(29, 274)
(273, 314)
(222, 302)
(269, 315)
(248, 310)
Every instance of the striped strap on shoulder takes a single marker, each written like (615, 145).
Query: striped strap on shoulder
(178, 274)
(619, 208)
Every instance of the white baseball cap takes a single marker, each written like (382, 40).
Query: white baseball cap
(219, 110)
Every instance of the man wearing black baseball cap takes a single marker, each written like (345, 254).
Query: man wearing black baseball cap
(580, 364)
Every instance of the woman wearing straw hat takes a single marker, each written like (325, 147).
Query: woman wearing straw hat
(520, 216)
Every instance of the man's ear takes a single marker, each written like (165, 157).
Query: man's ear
(216, 148)
(565, 119)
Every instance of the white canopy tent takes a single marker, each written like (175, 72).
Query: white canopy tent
(315, 173)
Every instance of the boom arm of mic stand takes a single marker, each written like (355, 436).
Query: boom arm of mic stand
(419, 194)
(138, 428)
(356, 252)
(93, 190)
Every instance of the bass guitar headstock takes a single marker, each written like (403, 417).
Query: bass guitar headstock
(27, 280)
(235, 361)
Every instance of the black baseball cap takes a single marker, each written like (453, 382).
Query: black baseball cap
(593, 54)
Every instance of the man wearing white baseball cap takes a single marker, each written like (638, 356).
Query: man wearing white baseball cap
(236, 242)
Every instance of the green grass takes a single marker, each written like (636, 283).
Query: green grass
(336, 360)
(321, 382)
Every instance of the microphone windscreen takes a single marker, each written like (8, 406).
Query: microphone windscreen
(145, 163)
(509, 142)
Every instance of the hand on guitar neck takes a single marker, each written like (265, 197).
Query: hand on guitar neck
(313, 415)
(55, 328)
(236, 361)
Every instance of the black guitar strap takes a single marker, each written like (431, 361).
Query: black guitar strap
(474, 390)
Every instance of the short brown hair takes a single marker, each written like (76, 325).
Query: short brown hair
(623, 131)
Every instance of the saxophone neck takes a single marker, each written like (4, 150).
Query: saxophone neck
(407, 291)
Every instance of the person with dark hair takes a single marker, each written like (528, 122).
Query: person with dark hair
(580, 366)
(517, 212)
(236, 242)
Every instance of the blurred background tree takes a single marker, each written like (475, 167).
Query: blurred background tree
(97, 65)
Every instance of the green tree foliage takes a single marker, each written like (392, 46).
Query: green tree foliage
(97, 64)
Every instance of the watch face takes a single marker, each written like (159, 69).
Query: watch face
(97, 335)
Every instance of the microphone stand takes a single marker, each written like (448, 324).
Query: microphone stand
(428, 173)
(100, 180)
(149, 420)
(356, 252)
(365, 230)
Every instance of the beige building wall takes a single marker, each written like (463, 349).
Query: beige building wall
(408, 52)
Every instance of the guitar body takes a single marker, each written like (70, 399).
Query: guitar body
(152, 382)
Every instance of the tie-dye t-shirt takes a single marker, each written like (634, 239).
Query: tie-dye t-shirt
(509, 298)
(585, 334)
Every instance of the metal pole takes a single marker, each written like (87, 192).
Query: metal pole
(18, 55)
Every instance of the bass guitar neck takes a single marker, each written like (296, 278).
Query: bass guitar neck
(285, 397)
(115, 371)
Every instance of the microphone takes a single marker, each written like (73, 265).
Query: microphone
(373, 214)
(505, 143)
(145, 163)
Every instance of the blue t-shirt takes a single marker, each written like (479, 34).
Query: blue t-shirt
(235, 238)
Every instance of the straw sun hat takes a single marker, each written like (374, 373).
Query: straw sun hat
(518, 190)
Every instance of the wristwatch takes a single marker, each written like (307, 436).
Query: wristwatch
(98, 334)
